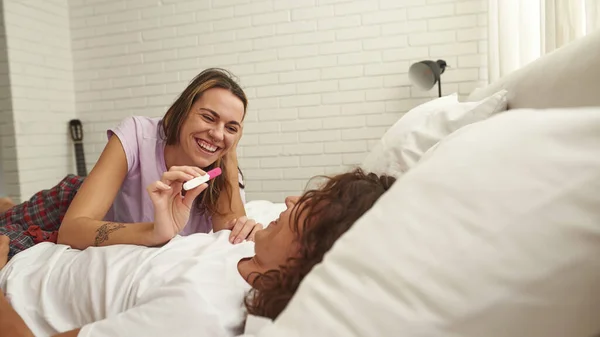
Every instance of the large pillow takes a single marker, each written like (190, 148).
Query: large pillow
(495, 233)
(566, 77)
(264, 211)
(419, 129)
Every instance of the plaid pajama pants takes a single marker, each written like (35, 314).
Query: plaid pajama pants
(38, 219)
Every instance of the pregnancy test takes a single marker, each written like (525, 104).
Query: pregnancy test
(190, 184)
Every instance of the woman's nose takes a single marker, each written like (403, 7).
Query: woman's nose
(216, 133)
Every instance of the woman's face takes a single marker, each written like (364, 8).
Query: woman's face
(278, 242)
(212, 127)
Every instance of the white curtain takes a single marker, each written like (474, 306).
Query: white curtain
(519, 31)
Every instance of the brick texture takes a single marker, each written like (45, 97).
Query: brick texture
(36, 150)
(325, 78)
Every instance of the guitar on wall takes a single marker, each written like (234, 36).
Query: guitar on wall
(77, 137)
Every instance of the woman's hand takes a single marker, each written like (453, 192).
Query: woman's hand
(242, 229)
(171, 208)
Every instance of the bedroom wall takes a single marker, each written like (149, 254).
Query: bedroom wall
(7, 135)
(325, 78)
(38, 97)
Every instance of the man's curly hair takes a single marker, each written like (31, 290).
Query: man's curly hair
(328, 213)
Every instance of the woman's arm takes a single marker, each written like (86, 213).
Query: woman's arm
(82, 225)
(231, 208)
(234, 213)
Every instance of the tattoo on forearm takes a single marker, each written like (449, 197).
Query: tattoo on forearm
(103, 231)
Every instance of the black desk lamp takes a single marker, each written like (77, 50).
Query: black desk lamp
(425, 74)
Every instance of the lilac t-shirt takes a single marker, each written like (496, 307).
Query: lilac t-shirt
(145, 152)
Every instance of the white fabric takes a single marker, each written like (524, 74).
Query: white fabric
(422, 127)
(567, 77)
(264, 211)
(190, 286)
(255, 323)
(520, 31)
(495, 233)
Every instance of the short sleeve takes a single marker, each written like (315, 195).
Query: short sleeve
(172, 311)
(127, 132)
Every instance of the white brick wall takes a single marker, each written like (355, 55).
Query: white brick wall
(8, 163)
(325, 78)
(42, 97)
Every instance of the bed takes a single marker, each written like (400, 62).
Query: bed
(493, 228)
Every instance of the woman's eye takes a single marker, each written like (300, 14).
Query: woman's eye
(208, 118)
(232, 129)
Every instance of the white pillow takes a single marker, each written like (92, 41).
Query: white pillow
(418, 130)
(264, 211)
(495, 233)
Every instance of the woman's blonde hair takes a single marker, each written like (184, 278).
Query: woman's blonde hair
(173, 121)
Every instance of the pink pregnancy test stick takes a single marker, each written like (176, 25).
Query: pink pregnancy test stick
(190, 184)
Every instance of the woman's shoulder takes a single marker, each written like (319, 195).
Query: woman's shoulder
(142, 122)
(140, 126)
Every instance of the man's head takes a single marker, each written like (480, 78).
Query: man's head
(293, 244)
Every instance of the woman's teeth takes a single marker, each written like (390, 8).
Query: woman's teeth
(207, 147)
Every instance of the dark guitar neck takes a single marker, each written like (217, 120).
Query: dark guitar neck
(80, 159)
(76, 130)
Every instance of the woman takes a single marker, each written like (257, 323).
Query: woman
(194, 285)
(200, 131)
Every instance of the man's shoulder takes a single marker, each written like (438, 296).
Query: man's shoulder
(217, 240)
(207, 249)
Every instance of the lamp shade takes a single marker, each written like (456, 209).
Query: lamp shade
(425, 74)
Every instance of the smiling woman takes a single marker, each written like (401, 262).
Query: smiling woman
(199, 132)
(202, 126)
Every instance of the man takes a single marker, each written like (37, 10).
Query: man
(192, 286)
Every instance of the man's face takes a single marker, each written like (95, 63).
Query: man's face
(278, 242)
